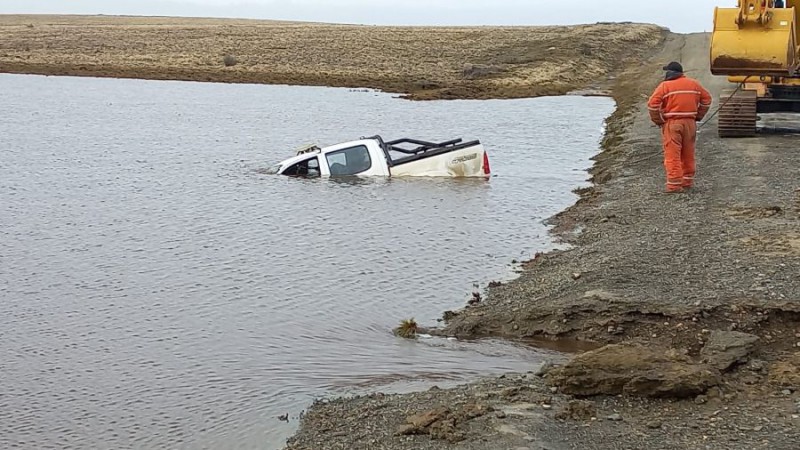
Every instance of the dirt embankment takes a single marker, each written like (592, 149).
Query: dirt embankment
(694, 298)
(424, 62)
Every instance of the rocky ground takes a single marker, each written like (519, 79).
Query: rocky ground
(422, 62)
(694, 298)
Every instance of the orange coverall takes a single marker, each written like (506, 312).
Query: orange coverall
(676, 105)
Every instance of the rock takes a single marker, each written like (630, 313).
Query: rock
(474, 71)
(758, 428)
(714, 393)
(442, 423)
(786, 372)
(446, 430)
(509, 392)
(751, 379)
(599, 294)
(616, 330)
(576, 410)
(654, 424)
(700, 399)
(614, 418)
(546, 406)
(756, 365)
(417, 423)
(426, 84)
(474, 410)
(500, 415)
(546, 367)
(634, 370)
(576, 276)
(726, 348)
(406, 430)
(786, 392)
(449, 315)
(424, 419)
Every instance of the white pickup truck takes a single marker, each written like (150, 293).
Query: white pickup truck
(371, 156)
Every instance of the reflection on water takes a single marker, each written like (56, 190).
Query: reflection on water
(157, 291)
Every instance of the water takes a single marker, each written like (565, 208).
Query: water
(158, 291)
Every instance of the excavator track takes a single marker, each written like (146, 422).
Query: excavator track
(737, 116)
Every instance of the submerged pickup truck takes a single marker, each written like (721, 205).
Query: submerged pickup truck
(372, 156)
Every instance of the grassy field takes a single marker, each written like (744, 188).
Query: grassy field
(425, 62)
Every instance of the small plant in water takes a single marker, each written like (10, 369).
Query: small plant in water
(407, 329)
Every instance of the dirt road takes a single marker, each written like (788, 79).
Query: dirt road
(696, 297)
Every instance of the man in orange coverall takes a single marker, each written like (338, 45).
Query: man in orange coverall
(677, 104)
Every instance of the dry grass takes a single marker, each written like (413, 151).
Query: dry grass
(428, 62)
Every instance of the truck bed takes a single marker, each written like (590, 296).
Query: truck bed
(448, 158)
(397, 155)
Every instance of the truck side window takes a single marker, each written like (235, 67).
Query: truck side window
(349, 161)
(307, 168)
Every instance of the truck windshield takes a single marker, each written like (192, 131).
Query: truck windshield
(273, 169)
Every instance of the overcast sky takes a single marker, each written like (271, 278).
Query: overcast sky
(678, 15)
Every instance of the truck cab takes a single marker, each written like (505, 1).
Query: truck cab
(362, 157)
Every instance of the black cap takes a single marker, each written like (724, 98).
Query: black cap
(674, 66)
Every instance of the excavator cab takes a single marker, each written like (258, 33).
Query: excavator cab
(755, 45)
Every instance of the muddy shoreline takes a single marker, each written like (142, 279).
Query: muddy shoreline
(694, 301)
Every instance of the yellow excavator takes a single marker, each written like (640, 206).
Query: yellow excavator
(755, 45)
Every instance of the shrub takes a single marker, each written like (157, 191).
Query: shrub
(407, 329)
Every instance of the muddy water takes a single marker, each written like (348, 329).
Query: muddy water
(157, 291)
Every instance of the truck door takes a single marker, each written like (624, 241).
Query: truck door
(308, 168)
(352, 161)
